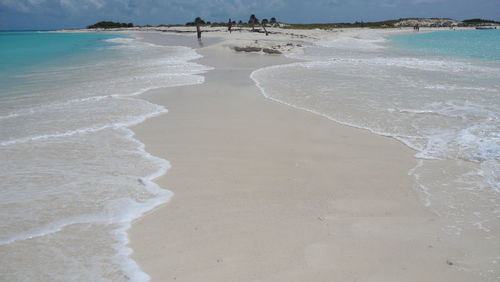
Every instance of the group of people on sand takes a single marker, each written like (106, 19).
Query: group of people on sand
(416, 27)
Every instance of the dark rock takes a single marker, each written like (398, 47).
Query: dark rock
(270, 51)
(247, 49)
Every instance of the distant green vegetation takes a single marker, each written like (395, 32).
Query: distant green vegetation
(381, 24)
(105, 24)
(252, 21)
(479, 21)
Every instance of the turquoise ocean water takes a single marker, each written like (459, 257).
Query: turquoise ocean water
(439, 94)
(73, 176)
(22, 52)
(474, 44)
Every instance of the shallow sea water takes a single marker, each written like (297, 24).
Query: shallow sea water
(443, 102)
(73, 176)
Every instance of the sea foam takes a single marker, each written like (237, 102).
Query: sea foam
(443, 107)
(74, 177)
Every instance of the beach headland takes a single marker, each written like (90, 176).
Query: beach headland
(266, 192)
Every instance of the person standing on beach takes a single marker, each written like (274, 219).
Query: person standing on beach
(229, 25)
(198, 21)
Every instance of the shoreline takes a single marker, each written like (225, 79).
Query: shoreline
(267, 187)
(168, 222)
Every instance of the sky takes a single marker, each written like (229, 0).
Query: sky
(57, 14)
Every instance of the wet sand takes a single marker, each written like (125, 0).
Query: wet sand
(265, 192)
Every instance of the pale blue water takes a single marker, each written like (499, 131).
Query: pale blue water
(73, 177)
(475, 44)
(24, 52)
(438, 93)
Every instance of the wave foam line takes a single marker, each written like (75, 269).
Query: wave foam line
(400, 138)
(128, 265)
(123, 251)
(54, 228)
(134, 209)
(86, 129)
(32, 110)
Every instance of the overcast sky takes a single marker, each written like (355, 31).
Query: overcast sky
(54, 14)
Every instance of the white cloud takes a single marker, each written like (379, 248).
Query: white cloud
(34, 6)
(16, 5)
(78, 5)
(137, 7)
(36, 2)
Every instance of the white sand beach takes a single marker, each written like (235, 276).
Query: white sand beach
(266, 192)
(247, 141)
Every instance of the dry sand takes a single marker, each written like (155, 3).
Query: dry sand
(265, 192)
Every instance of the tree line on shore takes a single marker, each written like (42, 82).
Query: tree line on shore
(403, 22)
(480, 21)
(253, 20)
(108, 24)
